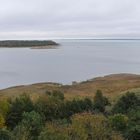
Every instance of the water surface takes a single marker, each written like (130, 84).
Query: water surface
(75, 60)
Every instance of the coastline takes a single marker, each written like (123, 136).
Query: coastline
(112, 86)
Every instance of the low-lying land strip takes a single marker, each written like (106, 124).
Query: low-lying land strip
(27, 43)
(112, 86)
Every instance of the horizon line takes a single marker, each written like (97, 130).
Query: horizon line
(72, 39)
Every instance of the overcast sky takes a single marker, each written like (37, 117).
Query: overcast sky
(43, 19)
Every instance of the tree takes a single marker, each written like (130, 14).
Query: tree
(33, 123)
(56, 94)
(100, 102)
(77, 106)
(50, 108)
(86, 126)
(4, 107)
(6, 135)
(17, 107)
(54, 132)
(126, 102)
(134, 115)
(2, 121)
(119, 122)
(133, 130)
(21, 132)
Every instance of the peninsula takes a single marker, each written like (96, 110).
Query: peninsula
(27, 43)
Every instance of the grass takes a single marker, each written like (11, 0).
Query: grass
(112, 86)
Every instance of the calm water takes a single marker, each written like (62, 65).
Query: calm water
(75, 60)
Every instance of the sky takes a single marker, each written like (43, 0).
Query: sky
(46, 19)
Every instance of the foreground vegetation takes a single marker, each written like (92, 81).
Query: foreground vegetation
(52, 117)
(26, 43)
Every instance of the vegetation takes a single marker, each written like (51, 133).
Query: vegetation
(53, 117)
(112, 86)
(26, 43)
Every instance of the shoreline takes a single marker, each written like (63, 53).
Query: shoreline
(113, 85)
(115, 75)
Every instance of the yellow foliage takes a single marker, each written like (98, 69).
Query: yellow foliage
(87, 126)
(4, 107)
(2, 121)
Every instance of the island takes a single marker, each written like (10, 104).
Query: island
(28, 43)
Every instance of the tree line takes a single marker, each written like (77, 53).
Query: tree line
(26, 43)
(52, 117)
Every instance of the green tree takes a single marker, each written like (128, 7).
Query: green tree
(21, 132)
(134, 115)
(54, 132)
(56, 94)
(100, 102)
(49, 108)
(119, 122)
(127, 102)
(6, 135)
(33, 123)
(133, 130)
(21, 104)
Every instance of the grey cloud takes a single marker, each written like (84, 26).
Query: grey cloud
(41, 19)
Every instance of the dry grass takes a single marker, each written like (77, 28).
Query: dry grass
(111, 85)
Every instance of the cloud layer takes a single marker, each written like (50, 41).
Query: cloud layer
(41, 19)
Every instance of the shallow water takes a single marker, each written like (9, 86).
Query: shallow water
(75, 60)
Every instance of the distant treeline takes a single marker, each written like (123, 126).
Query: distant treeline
(26, 43)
